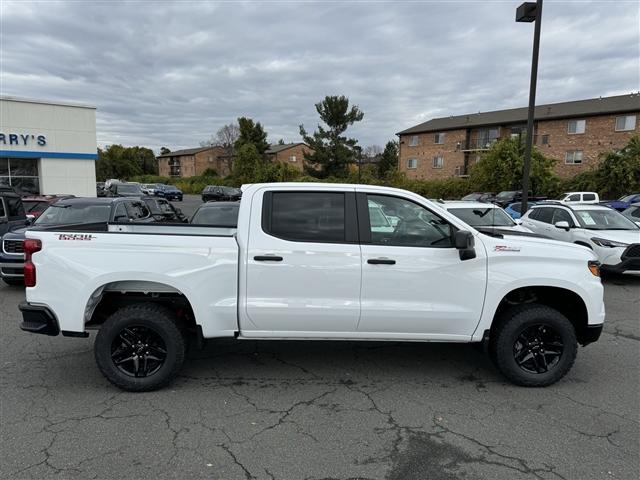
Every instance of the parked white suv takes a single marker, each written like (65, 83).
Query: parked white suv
(579, 197)
(611, 235)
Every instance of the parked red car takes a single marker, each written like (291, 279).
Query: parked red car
(35, 205)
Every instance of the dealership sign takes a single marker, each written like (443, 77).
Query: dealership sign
(23, 139)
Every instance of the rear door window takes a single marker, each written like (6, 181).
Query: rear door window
(305, 216)
(544, 215)
(2, 212)
(588, 197)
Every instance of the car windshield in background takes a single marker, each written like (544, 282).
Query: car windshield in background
(472, 197)
(34, 207)
(69, 214)
(170, 188)
(220, 215)
(504, 195)
(129, 189)
(230, 191)
(604, 220)
(628, 198)
(483, 217)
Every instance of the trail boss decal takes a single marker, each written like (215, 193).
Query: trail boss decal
(505, 248)
(75, 236)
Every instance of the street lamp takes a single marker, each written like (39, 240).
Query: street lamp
(530, 12)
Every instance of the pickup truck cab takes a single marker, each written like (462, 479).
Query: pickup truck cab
(579, 197)
(306, 262)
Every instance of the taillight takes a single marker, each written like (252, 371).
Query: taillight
(31, 245)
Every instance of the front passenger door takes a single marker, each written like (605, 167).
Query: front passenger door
(414, 284)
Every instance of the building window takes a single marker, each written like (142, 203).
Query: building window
(545, 139)
(439, 138)
(625, 123)
(415, 141)
(438, 161)
(412, 163)
(293, 158)
(174, 166)
(576, 126)
(210, 158)
(573, 157)
(21, 174)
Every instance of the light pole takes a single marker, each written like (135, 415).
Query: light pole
(530, 12)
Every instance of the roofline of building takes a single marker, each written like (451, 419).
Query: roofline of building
(45, 102)
(178, 154)
(411, 131)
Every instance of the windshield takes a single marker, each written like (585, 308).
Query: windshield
(472, 196)
(31, 206)
(129, 189)
(605, 219)
(230, 191)
(220, 215)
(68, 214)
(506, 194)
(628, 198)
(483, 217)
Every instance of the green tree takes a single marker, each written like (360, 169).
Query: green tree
(164, 151)
(116, 161)
(251, 132)
(389, 160)
(247, 164)
(501, 169)
(619, 171)
(332, 152)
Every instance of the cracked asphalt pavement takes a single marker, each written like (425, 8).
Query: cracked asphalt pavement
(322, 410)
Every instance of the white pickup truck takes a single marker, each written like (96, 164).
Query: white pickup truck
(313, 261)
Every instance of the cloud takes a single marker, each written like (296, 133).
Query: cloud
(170, 74)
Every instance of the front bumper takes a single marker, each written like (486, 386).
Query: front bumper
(40, 319)
(12, 269)
(591, 334)
(629, 266)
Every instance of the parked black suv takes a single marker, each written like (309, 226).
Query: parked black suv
(213, 193)
(68, 211)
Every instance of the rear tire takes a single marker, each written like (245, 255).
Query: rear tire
(533, 345)
(140, 348)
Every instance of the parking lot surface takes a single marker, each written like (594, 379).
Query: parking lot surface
(321, 410)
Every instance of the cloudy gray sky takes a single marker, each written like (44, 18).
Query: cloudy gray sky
(171, 73)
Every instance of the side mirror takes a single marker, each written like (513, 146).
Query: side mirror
(563, 224)
(518, 221)
(29, 221)
(465, 243)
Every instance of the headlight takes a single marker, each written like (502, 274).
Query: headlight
(603, 242)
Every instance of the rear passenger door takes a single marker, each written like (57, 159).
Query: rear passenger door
(303, 266)
(539, 221)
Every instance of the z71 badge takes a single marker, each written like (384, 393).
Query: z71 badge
(75, 236)
(505, 248)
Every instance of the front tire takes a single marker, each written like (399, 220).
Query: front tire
(534, 345)
(140, 348)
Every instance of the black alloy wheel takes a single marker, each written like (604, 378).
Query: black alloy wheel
(538, 349)
(138, 351)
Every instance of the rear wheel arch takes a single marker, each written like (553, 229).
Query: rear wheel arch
(110, 297)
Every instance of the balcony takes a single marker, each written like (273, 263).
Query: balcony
(477, 144)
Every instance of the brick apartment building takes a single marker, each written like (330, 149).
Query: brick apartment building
(289, 153)
(194, 161)
(573, 133)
